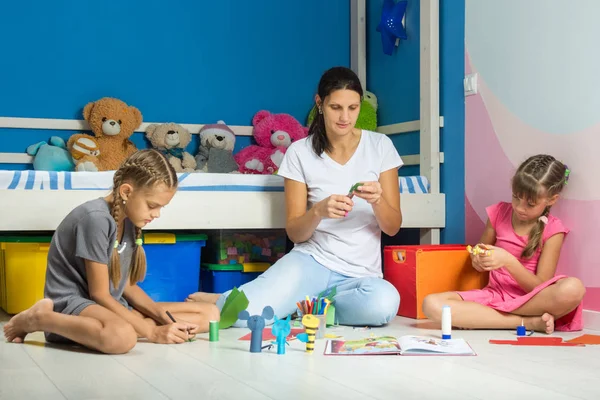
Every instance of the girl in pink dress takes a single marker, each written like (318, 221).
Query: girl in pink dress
(524, 240)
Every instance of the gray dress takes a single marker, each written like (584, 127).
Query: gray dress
(88, 232)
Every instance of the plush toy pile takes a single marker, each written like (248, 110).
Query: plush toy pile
(112, 122)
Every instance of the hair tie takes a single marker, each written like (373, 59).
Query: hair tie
(544, 219)
(567, 173)
(116, 244)
(138, 242)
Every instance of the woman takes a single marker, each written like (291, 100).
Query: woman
(337, 233)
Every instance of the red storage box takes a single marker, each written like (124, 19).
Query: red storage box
(416, 271)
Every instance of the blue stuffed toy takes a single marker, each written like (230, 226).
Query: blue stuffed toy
(51, 157)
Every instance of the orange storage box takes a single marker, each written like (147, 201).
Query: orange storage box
(419, 270)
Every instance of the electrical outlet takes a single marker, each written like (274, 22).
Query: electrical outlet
(470, 83)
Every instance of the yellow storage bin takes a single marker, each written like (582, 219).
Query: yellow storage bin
(22, 271)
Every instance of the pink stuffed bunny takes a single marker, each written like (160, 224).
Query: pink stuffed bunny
(273, 134)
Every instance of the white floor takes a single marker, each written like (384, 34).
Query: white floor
(227, 370)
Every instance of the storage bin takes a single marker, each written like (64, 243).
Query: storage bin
(23, 262)
(219, 278)
(419, 270)
(230, 246)
(173, 265)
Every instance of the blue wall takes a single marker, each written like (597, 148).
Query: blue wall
(395, 81)
(188, 62)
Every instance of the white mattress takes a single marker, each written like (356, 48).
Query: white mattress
(201, 182)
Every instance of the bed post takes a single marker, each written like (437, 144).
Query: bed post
(358, 40)
(430, 104)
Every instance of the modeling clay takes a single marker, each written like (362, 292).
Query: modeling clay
(478, 250)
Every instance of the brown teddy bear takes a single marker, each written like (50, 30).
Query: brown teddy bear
(113, 122)
(171, 139)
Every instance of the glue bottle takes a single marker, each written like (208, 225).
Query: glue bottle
(446, 323)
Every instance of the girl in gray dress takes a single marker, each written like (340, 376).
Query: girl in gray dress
(94, 263)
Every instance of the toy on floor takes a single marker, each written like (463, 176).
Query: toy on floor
(311, 324)
(256, 324)
(51, 156)
(478, 250)
(281, 329)
(171, 140)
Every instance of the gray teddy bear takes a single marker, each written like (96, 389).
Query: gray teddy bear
(216, 149)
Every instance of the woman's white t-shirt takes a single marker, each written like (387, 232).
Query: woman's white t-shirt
(351, 245)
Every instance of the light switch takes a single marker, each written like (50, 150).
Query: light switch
(470, 84)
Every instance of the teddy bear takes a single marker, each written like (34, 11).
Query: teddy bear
(216, 149)
(171, 139)
(112, 122)
(51, 156)
(367, 117)
(273, 133)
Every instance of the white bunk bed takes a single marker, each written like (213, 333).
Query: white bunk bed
(38, 200)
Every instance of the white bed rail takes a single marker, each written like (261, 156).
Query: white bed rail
(239, 130)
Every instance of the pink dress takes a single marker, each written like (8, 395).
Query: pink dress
(503, 293)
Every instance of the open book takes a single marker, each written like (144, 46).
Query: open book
(405, 345)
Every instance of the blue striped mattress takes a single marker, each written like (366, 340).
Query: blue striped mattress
(200, 182)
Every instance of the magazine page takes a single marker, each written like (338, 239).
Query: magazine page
(368, 346)
(424, 344)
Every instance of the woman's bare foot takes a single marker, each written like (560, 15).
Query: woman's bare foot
(26, 321)
(204, 297)
(544, 324)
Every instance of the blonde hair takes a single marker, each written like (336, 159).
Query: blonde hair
(539, 175)
(143, 169)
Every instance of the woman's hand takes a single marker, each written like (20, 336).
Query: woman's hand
(173, 333)
(369, 191)
(334, 206)
(497, 258)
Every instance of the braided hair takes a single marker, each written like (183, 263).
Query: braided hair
(539, 175)
(143, 169)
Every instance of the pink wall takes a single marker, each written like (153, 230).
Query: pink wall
(535, 86)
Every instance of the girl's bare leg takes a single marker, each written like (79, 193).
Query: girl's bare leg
(558, 299)
(96, 327)
(470, 315)
(538, 314)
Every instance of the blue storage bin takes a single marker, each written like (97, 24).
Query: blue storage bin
(219, 278)
(173, 265)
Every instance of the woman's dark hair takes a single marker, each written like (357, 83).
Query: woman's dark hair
(333, 79)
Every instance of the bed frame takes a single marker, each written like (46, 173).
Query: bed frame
(188, 210)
